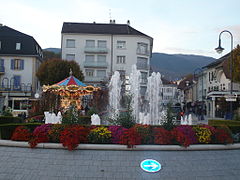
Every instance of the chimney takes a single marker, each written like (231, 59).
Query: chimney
(1, 24)
(128, 22)
(114, 22)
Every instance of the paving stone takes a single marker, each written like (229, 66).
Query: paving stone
(57, 164)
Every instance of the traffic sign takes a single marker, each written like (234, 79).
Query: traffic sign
(150, 165)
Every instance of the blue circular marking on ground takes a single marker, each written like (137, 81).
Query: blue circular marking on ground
(150, 165)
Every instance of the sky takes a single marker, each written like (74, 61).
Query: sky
(177, 26)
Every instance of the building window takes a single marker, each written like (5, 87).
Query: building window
(122, 74)
(121, 44)
(16, 82)
(121, 59)
(101, 73)
(102, 44)
(89, 72)
(70, 57)
(89, 58)
(143, 90)
(90, 43)
(70, 43)
(101, 58)
(142, 63)
(0, 45)
(17, 64)
(142, 48)
(18, 46)
(144, 76)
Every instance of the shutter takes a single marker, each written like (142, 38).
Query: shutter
(22, 64)
(12, 64)
(1, 65)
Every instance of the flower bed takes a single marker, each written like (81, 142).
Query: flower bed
(72, 135)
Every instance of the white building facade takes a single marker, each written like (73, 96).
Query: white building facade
(101, 49)
(20, 57)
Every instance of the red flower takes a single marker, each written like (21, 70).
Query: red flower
(40, 135)
(180, 137)
(130, 137)
(21, 133)
(72, 136)
(222, 136)
(162, 136)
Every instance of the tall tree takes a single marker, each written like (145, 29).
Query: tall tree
(55, 70)
(236, 64)
(50, 55)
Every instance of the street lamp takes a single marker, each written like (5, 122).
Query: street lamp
(219, 49)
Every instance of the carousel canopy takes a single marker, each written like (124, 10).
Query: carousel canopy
(71, 80)
(70, 86)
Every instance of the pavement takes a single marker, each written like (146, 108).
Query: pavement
(18, 163)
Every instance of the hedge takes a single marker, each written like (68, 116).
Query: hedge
(214, 122)
(10, 119)
(6, 130)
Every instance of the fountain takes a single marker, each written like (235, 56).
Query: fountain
(153, 113)
(114, 95)
(134, 80)
(52, 118)
(95, 119)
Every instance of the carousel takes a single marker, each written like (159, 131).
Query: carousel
(71, 90)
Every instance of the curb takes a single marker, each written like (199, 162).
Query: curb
(197, 147)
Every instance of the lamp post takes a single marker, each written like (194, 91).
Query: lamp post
(195, 73)
(219, 49)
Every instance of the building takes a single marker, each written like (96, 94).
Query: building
(208, 90)
(218, 85)
(101, 49)
(170, 93)
(20, 57)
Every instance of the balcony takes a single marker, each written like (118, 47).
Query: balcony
(13, 88)
(95, 64)
(96, 50)
(2, 69)
(94, 79)
(143, 52)
(141, 66)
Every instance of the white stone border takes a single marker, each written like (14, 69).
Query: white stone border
(196, 147)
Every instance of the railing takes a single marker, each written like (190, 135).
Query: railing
(141, 66)
(143, 52)
(12, 88)
(94, 78)
(95, 49)
(95, 64)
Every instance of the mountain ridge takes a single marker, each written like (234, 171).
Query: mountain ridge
(175, 66)
(171, 66)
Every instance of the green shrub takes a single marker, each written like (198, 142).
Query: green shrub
(7, 112)
(9, 119)
(214, 122)
(168, 124)
(6, 130)
(72, 116)
(235, 129)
